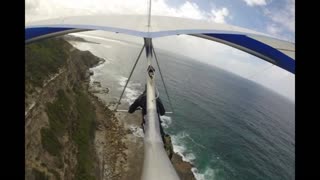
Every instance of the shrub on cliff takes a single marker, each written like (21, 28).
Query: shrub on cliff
(43, 59)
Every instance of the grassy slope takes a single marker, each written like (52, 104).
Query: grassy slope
(71, 112)
(44, 58)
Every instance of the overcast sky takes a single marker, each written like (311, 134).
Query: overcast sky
(273, 17)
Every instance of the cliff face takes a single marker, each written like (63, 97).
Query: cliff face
(69, 133)
(59, 117)
(182, 168)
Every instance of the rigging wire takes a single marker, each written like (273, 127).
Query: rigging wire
(134, 66)
(149, 14)
(164, 84)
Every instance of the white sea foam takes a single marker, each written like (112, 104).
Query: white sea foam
(131, 93)
(166, 121)
(180, 148)
(190, 156)
(206, 175)
(97, 71)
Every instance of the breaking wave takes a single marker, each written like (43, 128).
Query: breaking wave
(165, 121)
(131, 93)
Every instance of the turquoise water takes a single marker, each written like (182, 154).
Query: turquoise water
(227, 126)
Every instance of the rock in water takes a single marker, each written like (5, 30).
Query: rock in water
(168, 145)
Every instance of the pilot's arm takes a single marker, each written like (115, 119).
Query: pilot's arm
(134, 106)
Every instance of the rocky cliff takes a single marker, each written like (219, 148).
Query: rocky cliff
(60, 121)
(69, 133)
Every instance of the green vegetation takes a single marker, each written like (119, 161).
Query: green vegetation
(59, 118)
(59, 113)
(83, 136)
(50, 142)
(71, 113)
(55, 173)
(38, 175)
(44, 58)
(82, 131)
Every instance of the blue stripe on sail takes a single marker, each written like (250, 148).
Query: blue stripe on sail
(35, 32)
(280, 58)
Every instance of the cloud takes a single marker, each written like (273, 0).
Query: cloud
(282, 20)
(256, 2)
(219, 16)
(283, 16)
(280, 15)
(278, 80)
(206, 51)
(273, 29)
(38, 10)
(31, 5)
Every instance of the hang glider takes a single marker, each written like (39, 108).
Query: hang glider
(156, 162)
(278, 52)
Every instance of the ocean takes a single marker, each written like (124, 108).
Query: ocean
(228, 127)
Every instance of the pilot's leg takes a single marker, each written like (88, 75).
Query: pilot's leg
(161, 129)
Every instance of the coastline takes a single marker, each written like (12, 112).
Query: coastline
(132, 138)
(71, 132)
(127, 132)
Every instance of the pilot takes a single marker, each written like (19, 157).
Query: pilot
(141, 102)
